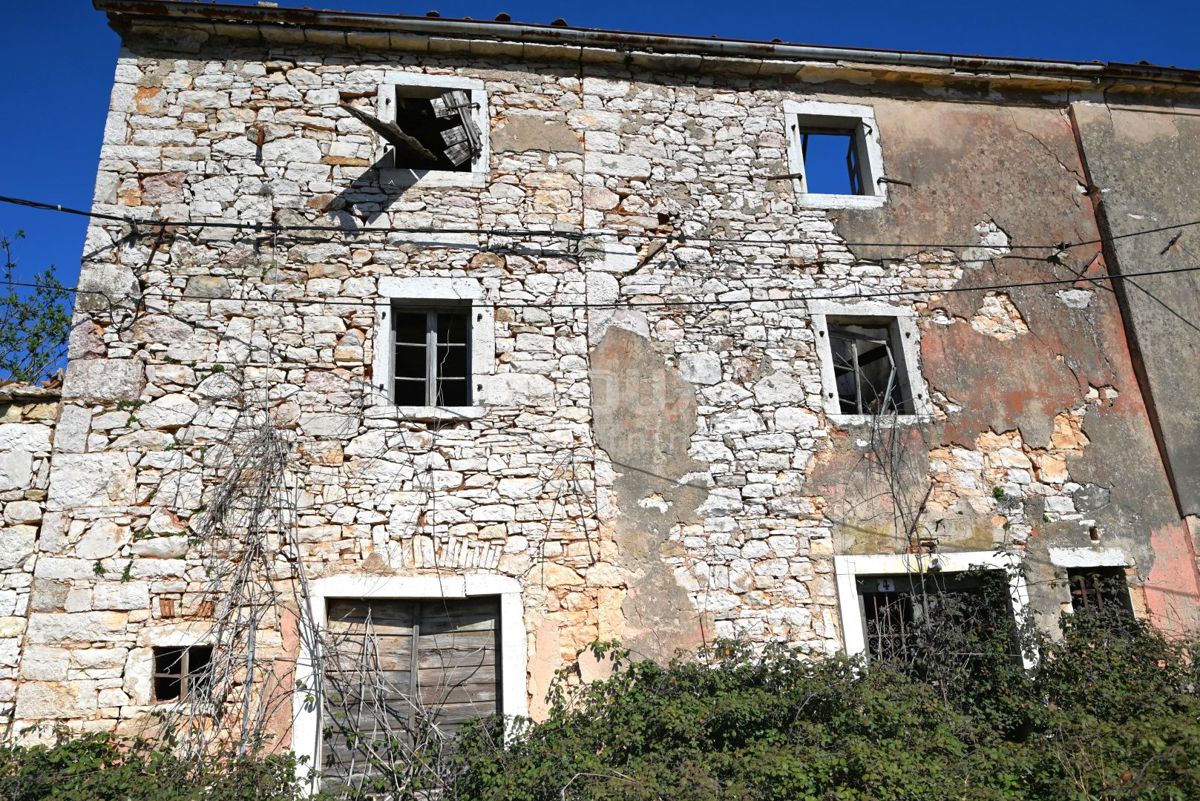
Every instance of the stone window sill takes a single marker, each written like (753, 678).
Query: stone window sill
(428, 414)
(812, 200)
(401, 178)
(885, 421)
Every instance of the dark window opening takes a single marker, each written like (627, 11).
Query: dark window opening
(432, 357)
(832, 163)
(868, 367)
(182, 673)
(402, 675)
(906, 616)
(433, 129)
(1099, 589)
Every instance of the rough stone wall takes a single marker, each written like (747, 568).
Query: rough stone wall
(27, 418)
(662, 473)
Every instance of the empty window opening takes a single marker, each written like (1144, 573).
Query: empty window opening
(402, 675)
(432, 356)
(831, 161)
(183, 673)
(1099, 589)
(868, 367)
(432, 129)
(905, 616)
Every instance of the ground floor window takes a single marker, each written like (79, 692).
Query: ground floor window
(1099, 589)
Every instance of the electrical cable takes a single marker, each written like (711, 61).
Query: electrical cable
(798, 298)
(267, 227)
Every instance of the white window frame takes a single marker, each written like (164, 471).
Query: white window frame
(860, 120)
(430, 292)
(849, 567)
(514, 700)
(1063, 559)
(399, 178)
(906, 323)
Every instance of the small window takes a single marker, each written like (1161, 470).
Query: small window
(432, 356)
(831, 161)
(182, 674)
(834, 156)
(1099, 589)
(868, 367)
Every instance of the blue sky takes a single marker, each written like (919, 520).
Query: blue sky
(58, 55)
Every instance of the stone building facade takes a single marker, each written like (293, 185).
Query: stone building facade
(656, 444)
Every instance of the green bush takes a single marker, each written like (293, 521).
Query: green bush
(100, 767)
(1111, 712)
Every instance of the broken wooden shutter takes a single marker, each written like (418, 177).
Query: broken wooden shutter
(463, 141)
(406, 146)
(401, 674)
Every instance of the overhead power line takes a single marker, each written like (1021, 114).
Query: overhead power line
(789, 298)
(268, 227)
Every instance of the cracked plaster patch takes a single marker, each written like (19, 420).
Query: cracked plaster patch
(999, 317)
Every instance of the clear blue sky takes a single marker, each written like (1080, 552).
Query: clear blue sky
(58, 55)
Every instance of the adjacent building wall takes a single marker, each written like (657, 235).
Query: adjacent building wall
(27, 419)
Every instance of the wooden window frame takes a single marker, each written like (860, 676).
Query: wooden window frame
(185, 676)
(897, 393)
(432, 378)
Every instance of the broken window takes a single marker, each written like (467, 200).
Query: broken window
(831, 160)
(907, 617)
(868, 367)
(432, 356)
(402, 676)
(427, 128)
(182, 673)
(1099, 589)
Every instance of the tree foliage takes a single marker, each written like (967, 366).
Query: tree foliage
(34, 322)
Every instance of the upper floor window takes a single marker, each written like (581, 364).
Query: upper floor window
(834, 155)
(432, 129)
(432, 356)
(435, 345)
(868, 353)
(868, 366)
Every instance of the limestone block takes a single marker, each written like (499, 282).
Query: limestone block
(518, 389)
(23, 512)
(16, 470)
(139, 675)
(117, 595)
(12, 626)
(329, 424)
(70, 435)
(31, 437)
(74, 626)
(103, 540)
(16, 545)
(161, 547)
(104, 380)
(778, 388)
(701, 368)
(792, 418)
(90, 479)
(168, 412)
(621, 165)
(161, 329)
(39, 699)
(207, 286)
